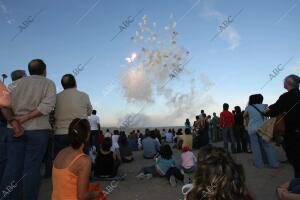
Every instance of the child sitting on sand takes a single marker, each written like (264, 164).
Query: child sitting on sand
(165, 166)
(217, 177)
(188, 160)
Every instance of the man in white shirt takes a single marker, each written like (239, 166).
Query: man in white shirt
(107, 133)
(95, 128)
(70, 104)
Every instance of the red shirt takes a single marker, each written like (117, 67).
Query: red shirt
(226, 119)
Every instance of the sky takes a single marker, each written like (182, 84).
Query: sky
(226, 50)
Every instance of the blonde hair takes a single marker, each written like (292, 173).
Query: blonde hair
(218, 177)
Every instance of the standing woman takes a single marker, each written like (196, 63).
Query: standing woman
(71, 167)
(239, 130)
(254, 113)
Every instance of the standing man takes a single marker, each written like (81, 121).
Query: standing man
(33, 98)
(226, 123)
(95, 129)
(70, 104)
(288, 104)
(216, 127)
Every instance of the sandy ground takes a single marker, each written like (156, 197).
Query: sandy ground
(262, 183)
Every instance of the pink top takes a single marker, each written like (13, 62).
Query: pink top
(188, 159)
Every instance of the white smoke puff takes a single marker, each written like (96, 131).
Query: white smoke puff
(137, 86)
(206, 82)
(159, 64)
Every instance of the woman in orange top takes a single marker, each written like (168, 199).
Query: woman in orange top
(4, 96)
(71, 167)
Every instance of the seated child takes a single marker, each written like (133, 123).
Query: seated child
(107, 162)
(165, 166)
(188, 160)
(217, 177)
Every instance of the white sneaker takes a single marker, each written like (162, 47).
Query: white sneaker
(140, 176)
(172, 181)
(148, 176)
(186, 179)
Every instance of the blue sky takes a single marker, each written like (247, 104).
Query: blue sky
(237, 62)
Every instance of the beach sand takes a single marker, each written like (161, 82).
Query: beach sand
(262, 183)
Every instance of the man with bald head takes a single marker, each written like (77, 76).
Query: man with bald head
(70, 104)
(32, 100)
(288, 104)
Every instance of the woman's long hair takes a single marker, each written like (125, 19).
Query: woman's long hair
(218, 177)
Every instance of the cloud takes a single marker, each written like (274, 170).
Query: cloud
(296, 67)
(229, 34)
(6, 13)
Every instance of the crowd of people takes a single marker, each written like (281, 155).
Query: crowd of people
(62, 130)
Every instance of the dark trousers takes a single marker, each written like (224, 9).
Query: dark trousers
(240, 137)
(3, 149)
(150, 170)
(26, 154)
(292, 144)
(174, 171)
(60, 142)
(48, 159)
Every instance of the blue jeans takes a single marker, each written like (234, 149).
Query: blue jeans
(3, 149)
(256, 140)
(228, 135)
(23, 164)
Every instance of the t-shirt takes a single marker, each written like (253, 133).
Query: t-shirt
(188, 159)
(115, 144)
(187, 141)
(226, 119)
(164, 165)
(150, 146)
(255, 118)
(107, 134)
(94, 121)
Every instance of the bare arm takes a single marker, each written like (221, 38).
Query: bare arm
(83, 180)
(9, 116)
(24, 118)
(5, 100)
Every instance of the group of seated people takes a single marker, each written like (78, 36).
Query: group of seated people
(72, 169)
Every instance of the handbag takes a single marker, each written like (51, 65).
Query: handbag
(273, 128)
